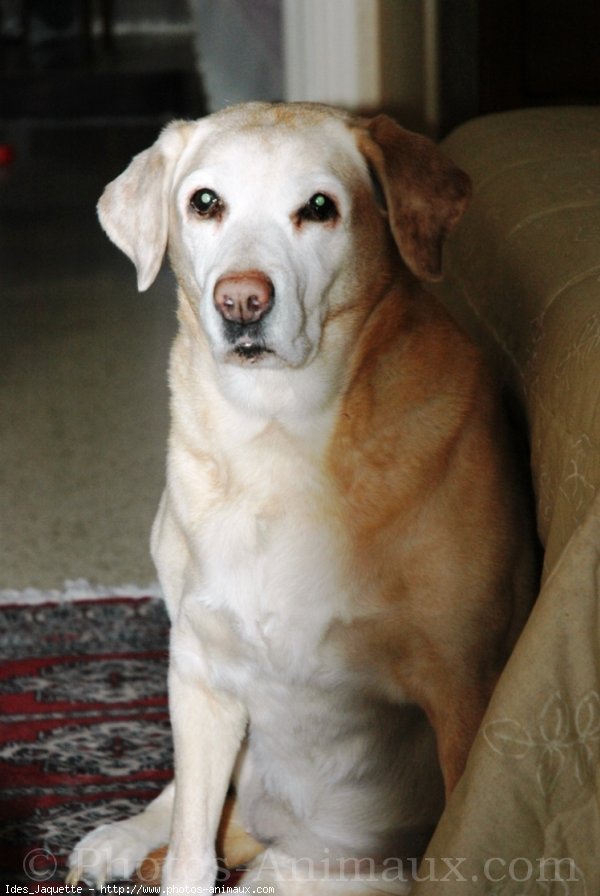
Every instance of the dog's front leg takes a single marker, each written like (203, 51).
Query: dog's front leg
(208, 728)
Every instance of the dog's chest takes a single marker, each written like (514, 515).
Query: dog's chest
(272, 562)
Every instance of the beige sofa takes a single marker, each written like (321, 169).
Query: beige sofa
(522, 274)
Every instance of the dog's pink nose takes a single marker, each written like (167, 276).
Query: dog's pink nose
(244, 298)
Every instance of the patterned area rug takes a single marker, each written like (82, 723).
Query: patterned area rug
(84, 736)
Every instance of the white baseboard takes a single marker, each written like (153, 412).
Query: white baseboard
(79, 589)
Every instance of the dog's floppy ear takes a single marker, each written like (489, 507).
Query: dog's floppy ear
(425, 193)
(134, 208)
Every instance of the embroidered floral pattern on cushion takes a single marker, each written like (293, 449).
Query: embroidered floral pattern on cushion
(555, 742)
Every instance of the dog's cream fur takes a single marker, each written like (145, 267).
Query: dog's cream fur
(343, 549)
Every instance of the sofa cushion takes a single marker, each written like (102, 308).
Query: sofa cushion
(522, 274)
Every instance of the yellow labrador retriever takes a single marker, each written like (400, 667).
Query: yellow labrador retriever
(343, 548)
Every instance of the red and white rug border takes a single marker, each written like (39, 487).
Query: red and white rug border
(75, 590)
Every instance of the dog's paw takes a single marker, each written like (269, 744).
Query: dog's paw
(110, 852)
(191, 874)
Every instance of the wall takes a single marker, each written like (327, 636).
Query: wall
(365, 55)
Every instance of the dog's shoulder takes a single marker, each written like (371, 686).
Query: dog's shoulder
(416, 380)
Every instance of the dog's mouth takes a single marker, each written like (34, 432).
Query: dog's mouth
(247, 342)
(250, 352)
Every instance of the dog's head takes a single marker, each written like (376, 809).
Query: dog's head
(278, 218)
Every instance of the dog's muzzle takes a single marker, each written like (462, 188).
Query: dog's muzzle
(244, 300)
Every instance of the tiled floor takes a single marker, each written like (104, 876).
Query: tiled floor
(83, 398)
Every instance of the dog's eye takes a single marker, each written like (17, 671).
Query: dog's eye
(319, 207)
(206, 203)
